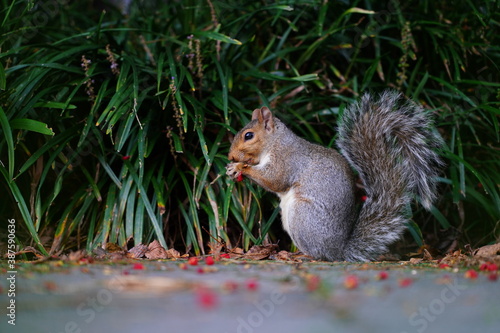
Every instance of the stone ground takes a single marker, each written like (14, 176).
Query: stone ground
(236, 296)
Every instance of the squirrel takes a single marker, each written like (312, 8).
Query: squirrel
(391, 143)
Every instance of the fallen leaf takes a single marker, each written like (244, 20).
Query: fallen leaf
(455, 258)
(488, 251)
(236, 253)
(415, 261)
(173, 253)
(114, 248)
(116, 256)
(137, 251)
(153, 251)
(154, 244)
(259, 252)
(77, 255)
(157, 253)
(285, 256)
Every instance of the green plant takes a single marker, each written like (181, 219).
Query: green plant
(117, 126)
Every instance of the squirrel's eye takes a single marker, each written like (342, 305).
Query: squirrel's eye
(248, 136)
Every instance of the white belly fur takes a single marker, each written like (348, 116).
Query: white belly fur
(287, 200)
(263, 161)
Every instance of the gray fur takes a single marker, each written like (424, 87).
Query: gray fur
(390, 142)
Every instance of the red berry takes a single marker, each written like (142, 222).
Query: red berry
(484, 266)
(351, 282)
(200, 270)
(126, 157)
(138, 266)
(239, 178)
(193, 261)
(183, 266)
(444, 266)
(471, 274)
(382, 275)
(313, 282)
(252, 284)
(406, 282)
(225, 256)
(493, 276)
(492, 267)
(363, 198)
(206, 298)
(209, 261)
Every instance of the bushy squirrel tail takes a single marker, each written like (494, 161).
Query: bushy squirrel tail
(391, 143)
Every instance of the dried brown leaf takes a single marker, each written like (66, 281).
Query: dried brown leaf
(236, 253)
(488, 251)
(76, 255)
(112, 248)
(259, 252)
(157, 253)
(173, 253)
(154, 244)
(415, 261)
(285, 256)
(137, 251)
(456, 258)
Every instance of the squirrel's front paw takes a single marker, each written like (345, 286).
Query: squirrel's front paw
(234, 170)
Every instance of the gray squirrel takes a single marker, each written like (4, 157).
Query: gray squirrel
(390, 142)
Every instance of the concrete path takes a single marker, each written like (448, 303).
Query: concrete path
(236, 296)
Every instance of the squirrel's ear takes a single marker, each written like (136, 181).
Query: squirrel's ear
(264, 115)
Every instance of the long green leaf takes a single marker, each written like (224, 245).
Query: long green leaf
(149, 208)
(23, 208)
(3, 78)
(7, 132)
(217, 36)
(31, 125)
